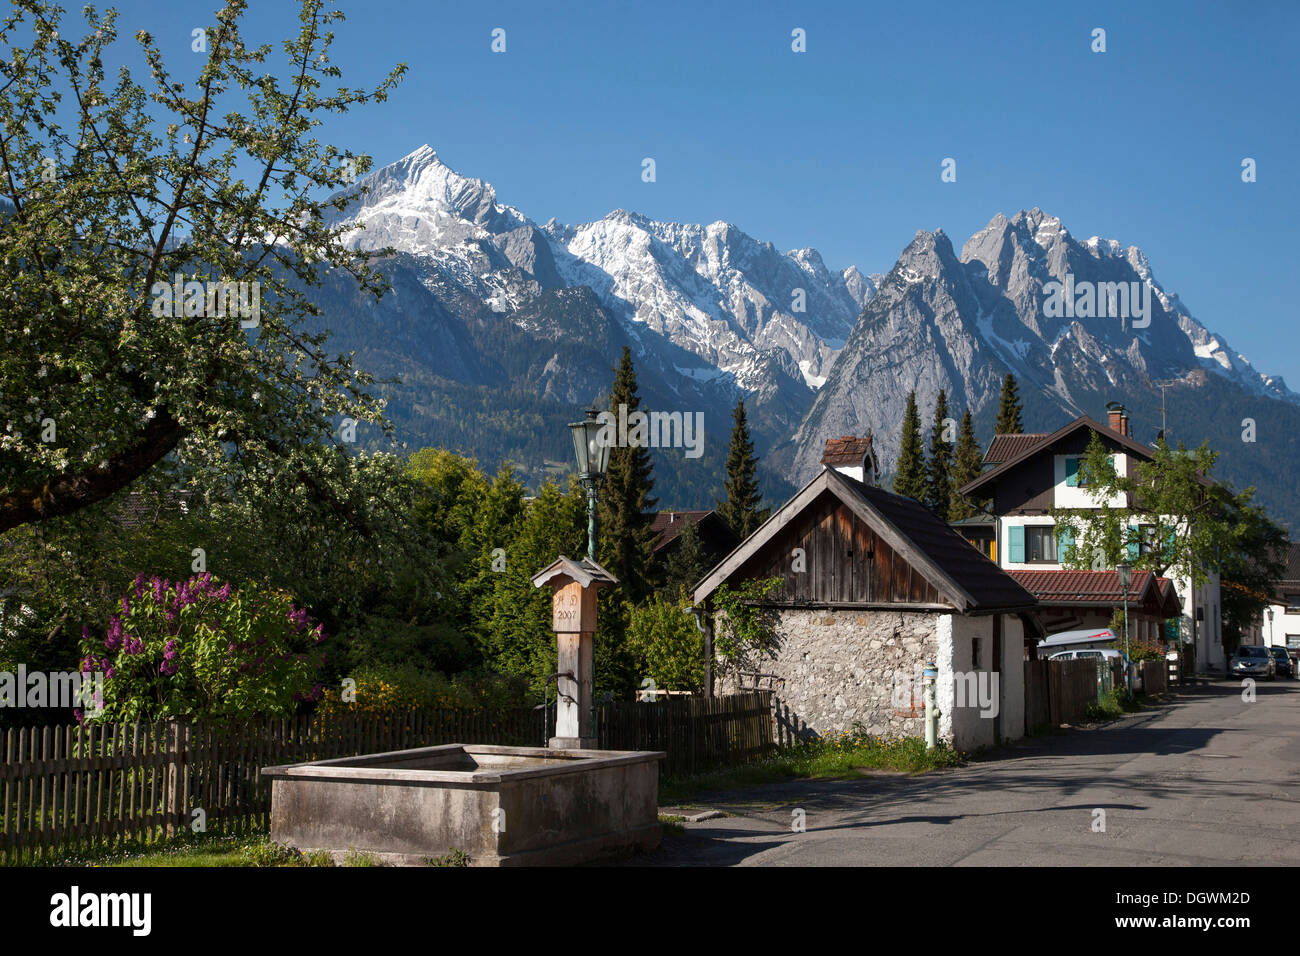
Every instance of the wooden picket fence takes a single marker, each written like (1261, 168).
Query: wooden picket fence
(1155, 677)
(72, 787)
(697, 733)
(1058, 692)
(68, 788)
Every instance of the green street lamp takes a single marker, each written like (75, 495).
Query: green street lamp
(1125, 579)
(593, 459)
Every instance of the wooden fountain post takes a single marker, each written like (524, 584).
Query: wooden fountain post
(574, 585)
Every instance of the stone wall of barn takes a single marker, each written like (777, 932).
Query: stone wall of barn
(840, 668)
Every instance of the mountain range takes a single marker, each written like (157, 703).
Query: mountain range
(497, 330)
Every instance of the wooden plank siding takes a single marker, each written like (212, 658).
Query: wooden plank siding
(846, 562)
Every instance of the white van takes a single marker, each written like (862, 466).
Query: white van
(1086, 653)
(1096, 653)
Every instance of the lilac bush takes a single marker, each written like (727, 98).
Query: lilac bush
(198, 649)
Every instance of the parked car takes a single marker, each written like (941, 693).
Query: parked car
(1086, 653)
(1252, 660)
(1282, 661)
(1097, 653)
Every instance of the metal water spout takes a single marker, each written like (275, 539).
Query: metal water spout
(545, 705)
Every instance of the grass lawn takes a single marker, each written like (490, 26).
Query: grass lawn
(844, 755)
(204, 850)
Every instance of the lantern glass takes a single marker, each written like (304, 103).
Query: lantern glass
(579, 432)
(1125, 574)
(599, 450)
(591, 454)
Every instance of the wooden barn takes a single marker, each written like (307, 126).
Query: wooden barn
(873, 586)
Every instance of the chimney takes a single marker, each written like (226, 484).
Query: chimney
(1118, 417)
(852, 457)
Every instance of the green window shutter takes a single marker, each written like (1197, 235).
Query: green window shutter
(1064, 541)
(1169, 548)
(1072, 472)
(1134, 549)
(1016, 544)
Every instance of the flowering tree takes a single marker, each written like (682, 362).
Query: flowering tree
(196, 649)
(116, 195)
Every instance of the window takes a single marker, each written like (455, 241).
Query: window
(1040, 543)
(1074, 478)
(1031, 543)
(1292, 599)
(1293, 641)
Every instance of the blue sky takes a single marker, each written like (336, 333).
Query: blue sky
(839, 148)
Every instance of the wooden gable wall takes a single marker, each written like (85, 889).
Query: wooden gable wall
(846, 562)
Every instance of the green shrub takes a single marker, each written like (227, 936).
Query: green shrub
(193, 649)
(667, 645)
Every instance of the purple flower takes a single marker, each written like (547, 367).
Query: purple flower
(169, 651)
(114, 639)
(159, 590)
(126, 604)
(299, 619)
(224, 593)
(134, 646)
(167, 667)
(139, 585)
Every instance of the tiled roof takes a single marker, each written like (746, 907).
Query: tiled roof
(667, 525)
(849, 450)
(1292, 566)
(1028, 449)
(1094, 587)
(1005, 447)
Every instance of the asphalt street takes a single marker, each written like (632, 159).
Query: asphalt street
(1206, 778)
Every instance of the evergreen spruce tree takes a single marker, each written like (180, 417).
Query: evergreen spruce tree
(741, 511)
(968, 464)
(938, 482)
(1009, 422)
(909, 477)
(625, 511)
(688, 562)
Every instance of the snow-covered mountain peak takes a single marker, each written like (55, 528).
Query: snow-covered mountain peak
(420, 205)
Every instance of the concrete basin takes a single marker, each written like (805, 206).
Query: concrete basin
(502, 806)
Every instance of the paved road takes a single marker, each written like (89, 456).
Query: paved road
(1204, 779)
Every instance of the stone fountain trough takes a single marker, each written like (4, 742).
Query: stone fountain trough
(503, 806)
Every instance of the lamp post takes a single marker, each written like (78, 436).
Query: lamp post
(593, 458)
(1125, 579)
(1269, 612)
